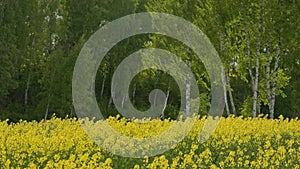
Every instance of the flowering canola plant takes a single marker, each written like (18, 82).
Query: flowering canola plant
(237, 143)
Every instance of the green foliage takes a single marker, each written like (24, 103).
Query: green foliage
(59, 29)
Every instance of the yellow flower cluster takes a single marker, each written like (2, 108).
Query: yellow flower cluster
(236, 143)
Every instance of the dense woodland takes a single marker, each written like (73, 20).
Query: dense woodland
(258, 42)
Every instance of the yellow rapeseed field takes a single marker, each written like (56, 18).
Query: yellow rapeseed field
(236, 143)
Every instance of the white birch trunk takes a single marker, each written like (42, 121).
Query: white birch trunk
(268, 80)
(103, 83)
(249, 55)
(223, 78)
(255, 87)
(29, 70)
(156, 85)
(110, 101)
(124, 99)
(230, 93)
(47, 110)
(166, 101)
(275, 78)
(133, 93)
(225, 94)
(188, 93)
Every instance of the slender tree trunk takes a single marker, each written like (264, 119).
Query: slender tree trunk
(166, 100)
(255, 88)
(133, 93)
(47, 111)
(71, 112)
(110, 101)
(155, 97)
(188, 101)
(156, 85)
(275, 78)
(188, 83)
(225, 94)
(268, 80)
(103, 83)
(49, 95)
(230, 93)
(29, 70)
(249, 56)
(258, 106)
(223, 77)
(250, 69)
(188, 93)
(124, 99)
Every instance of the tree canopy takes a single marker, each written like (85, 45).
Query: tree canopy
(258, 42)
